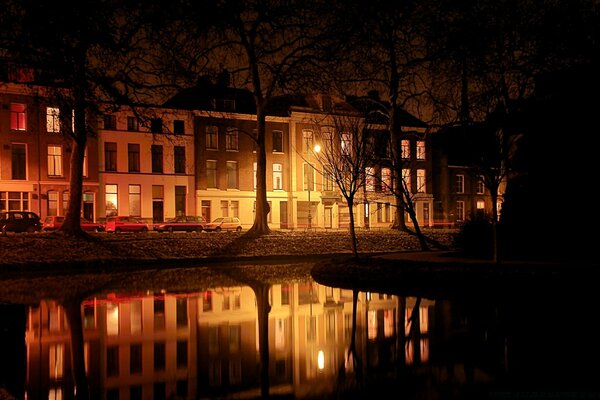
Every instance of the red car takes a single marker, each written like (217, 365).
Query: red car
(54, 222)
(122, 223)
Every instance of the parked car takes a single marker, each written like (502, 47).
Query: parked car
(122, 223)
(185, 223)
(224, 224)
(54, 222)
(20, 221)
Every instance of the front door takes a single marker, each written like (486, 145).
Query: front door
(157, 211)
(328, 217)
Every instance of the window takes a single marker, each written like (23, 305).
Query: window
(328, 177)
(370, 179)
(180, 194)
(133, 124)
(133, 156)
(309, 177)
(85, 163)
(346, 144)
(135, 317)
(211, 174)
(179, 154)
(405, 149)
(56, 356)
(52, 202)
(182, 354)
(19, 161)
(181, 307)
(156, 125)
(235, 208)
(277, 177)
(135, 200)
(460, 211)
(224, 208)
(327, 140)
(307, 140)
(14, 201)
(18, 117)
(135, 358)
(110, 156)
(386, 180)
(460, 183)
(231, 139)
(111, 200)
(406, 180)
(110, 121)
(212, 133)
(255, 168)
(480, 185)
(420, 150)
(179, 126)
(157, 158)
(159, 356)
(277, 142)
(52, 119)
(232, 175)
(112, 319)
(421, 182)
(112, 361)
(54, 160)
(65, 202)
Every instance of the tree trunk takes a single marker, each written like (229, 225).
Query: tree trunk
(262, 301)
(494, 195)
(261, 226)
(73, 313)
(352, 227)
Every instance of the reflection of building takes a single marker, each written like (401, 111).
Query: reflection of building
(153, 346)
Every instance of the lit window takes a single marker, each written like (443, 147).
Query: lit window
(57, 354)
(112, 319)
(235, 208)
(135, 200)
(52, 119)
(480, 185)
(420, 150)
(255, 167)
(372, 324)
(111, 200)
(309, 177)
(406, 180)
(421, 182)
(18, 117)
(85, 163)
(307, 140)
(369, 179)
(405, 149)
(224, 208)
(460, 183)
(52, 202)
(54, 160)
(277, 177)
(346, 144)
(460, 211)
(386, 180)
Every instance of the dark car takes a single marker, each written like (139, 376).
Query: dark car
(54, 222)
(224, 224)
(123, 223)
(186, 223)
(20, 221)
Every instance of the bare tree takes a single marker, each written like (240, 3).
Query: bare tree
(268, 48)
(86, 54)
(344, 155)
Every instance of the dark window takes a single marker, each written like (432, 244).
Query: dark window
(112, 394)
(157, 158)
(182, 314)
(110, 121)
(156, 125)
(160, 391)
(179, 159)
(133, 151)
(112, 361)
(135, 392)
(182, 389)
(19, 161)
(178, 126)
(132, 124)
(182, 353)
(159, 313)
(278, 141)
(180, 193)
(110, 156)
(159, 356)
(135, 359)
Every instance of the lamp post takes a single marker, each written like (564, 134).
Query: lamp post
(316, 149)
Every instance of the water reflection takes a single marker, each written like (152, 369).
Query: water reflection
(321, 342)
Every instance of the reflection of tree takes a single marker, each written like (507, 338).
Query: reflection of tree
(351, 362)
(72, 307)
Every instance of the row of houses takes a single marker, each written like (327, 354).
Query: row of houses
(194, 155)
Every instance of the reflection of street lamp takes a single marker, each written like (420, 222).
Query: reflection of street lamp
(316, 149)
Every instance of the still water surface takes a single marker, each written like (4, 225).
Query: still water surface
(196, 334)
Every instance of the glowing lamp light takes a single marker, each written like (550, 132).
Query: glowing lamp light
(321, 360)
(317, 148)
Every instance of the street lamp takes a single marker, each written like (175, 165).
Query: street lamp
(316, 149)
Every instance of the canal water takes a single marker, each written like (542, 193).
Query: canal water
(196, 334)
